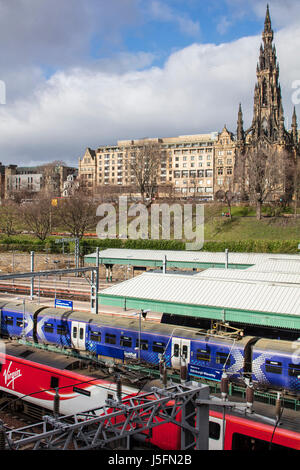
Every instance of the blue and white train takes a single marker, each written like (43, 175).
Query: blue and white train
(271, 364)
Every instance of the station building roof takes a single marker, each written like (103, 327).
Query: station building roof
(183, 259)
(278, 265)
(249, 275)
(216, 299)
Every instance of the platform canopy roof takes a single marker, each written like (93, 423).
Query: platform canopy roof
(249, 275)
(278, 265)
(183, 259)
(216, 299)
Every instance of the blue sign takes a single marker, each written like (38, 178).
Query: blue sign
(204, 372)
(63, 303)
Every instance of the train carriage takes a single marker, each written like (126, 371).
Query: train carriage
(52, 326)
(18, 319)
(210, 356)
(276, 364)
(269, 363)
(34, 375)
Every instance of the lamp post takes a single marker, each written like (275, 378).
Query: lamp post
(142, 313)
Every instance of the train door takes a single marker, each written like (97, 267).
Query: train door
(216, 430)
(181, 349)
(78, 335)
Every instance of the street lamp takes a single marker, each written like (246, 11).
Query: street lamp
(142, 313)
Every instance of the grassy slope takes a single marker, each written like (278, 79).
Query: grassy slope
(218, 228)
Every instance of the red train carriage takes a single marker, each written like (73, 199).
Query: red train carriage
(34, 376)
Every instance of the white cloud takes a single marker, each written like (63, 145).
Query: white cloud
(197, 90)
(284, 13)
(223, 25)
(164, 13)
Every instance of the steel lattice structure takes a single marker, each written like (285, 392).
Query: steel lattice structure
(113, 424)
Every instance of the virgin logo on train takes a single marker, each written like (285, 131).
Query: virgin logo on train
(10, 377)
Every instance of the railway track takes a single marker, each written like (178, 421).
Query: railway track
(46, 292)
(80, 292)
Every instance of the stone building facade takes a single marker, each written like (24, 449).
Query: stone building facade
(186, 166)
(267, 138)
(27, 181)
(200, 165)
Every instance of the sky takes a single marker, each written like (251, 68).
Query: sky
(87, 73)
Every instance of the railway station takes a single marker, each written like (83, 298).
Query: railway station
(227, 321)
(243, 289)
(149, 349)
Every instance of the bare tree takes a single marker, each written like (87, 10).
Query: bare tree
(296, 182)
(77, 214)
(266, 175)
(38, 216)
(18, 196)
(144, 164)
(8, 217)
(227, 196)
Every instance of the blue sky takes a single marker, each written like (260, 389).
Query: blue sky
(164, 26)
(86, 73)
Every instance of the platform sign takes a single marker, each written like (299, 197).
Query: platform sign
(204, 372)
(63, 303)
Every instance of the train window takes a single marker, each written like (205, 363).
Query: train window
(126, 341)
(203, 355)
(48, 328)
(54, 382)
(158, 347)
(221, 358)
(214, 430)
(95, 336)
(243, 442)
(274, 367)
(294, 370)
(19, 322)
(82, 391)
(110, 339)
(144, 344)
(184, 351)
(81, 333)
(9, 320)
(61, 330)
(74, 332)
(176, 350)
